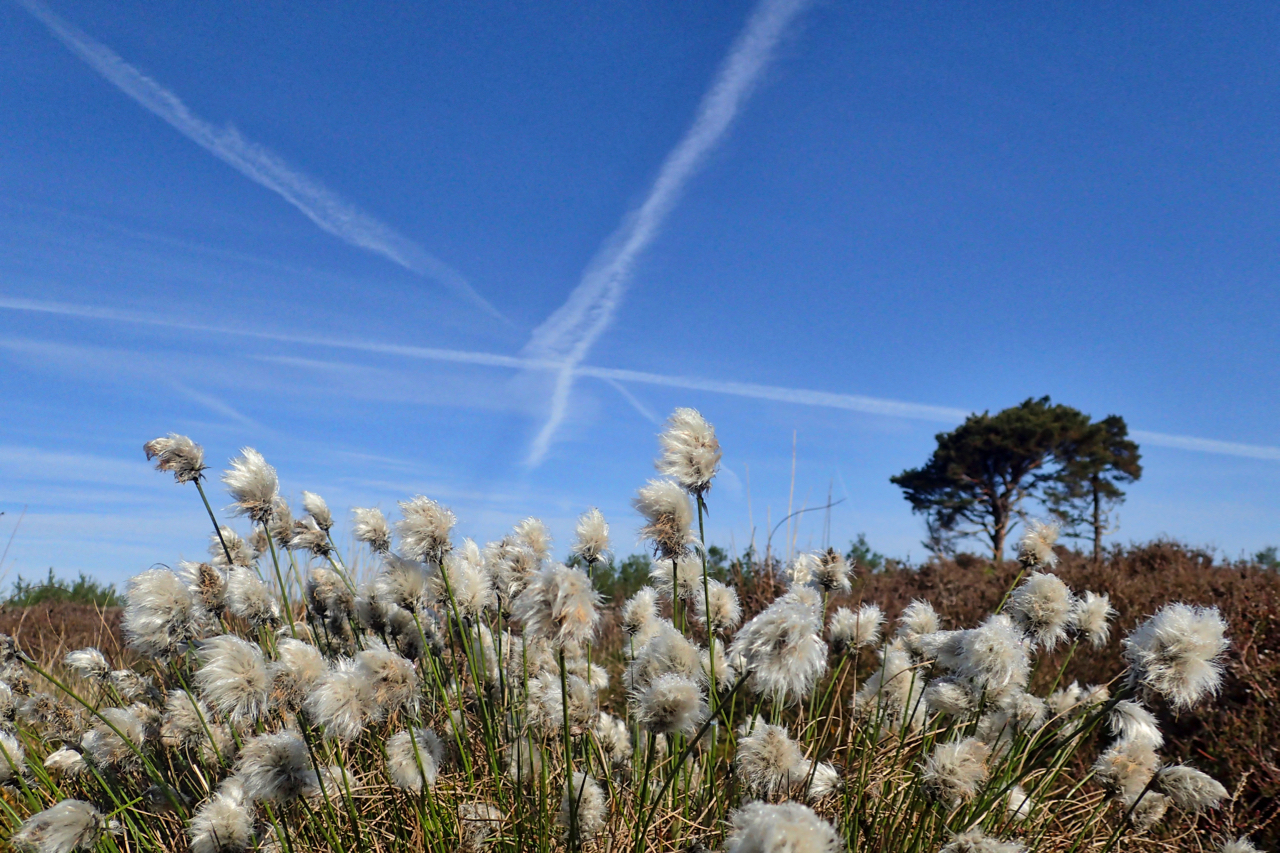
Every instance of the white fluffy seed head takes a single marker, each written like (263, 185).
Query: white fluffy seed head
(718, 607)
(1035, 549)
(178, 455)
(917, 620)
(591, 539)
(782, 828)
(65, 762)
(1178, 653)
(783, 647)
(949, 697)
(1091, 618)
(462, 581)
(680, 576)
(955, 771)
(995, 656)
(895, 689)
(559, 605)
(159, 614)
(186, 721)
(1189, 789)
(309, 536)
(12, 757)
(672, 704)
(1126, 767)
(1129, 721)
(318, 510)
(68, 826)
(533, 534)
(424, 528)
(90, 664)
(249, 599)
(668, 517)
(274, 767)
(391, 682)
(224, 822)
(414, 757)
(690, 451)
(851, 630)
(832, 572)
(371, 528)
(1043, 606)
(666, 651)
(588, 808)
(767, 760)
(342, 702)
(1238, 845)
(640, 615)
(614, 737)
(253, 485)
(227, 541)
(234, 678)
(974, 841)
(104, 743)
(297, 671)
(478, 821)
(803, 568)
(1019, 803)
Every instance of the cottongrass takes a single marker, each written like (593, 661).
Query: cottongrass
(459, 697)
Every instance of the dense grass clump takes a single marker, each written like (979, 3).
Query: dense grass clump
(468, 697)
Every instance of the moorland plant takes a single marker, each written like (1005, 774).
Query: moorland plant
(456, 698)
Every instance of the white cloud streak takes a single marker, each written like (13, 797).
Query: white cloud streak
(570, 332)
(258, 164)
(750, 390)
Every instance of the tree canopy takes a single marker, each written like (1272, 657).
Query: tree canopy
(982, 473)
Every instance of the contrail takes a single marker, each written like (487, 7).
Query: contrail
(257, 163)
(749, 390)
(569, 333)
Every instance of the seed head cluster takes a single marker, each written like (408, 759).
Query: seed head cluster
(289, 694)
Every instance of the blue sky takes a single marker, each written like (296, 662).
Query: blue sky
(479, 252)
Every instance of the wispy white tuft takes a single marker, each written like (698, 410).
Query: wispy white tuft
(1035, 549)
(223, 823)
(690, 451)
(234, 678)
(668, 517)
(414, 757)
(559, 605)
(783, 828)
(274, 767)
(424, 529)
(588, 809)
(70, 825)
(159, 614)
(852, 630)
(955, 771)
(591, 541)
(1091, 617)
(178, 455)
(372, 529)
(1043, 606)
(783, 647)
(253, 484)
(1178, 653)
(672, 704)
(1189, 789)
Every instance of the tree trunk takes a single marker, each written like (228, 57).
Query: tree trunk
(1097, 522)
(999, 530)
